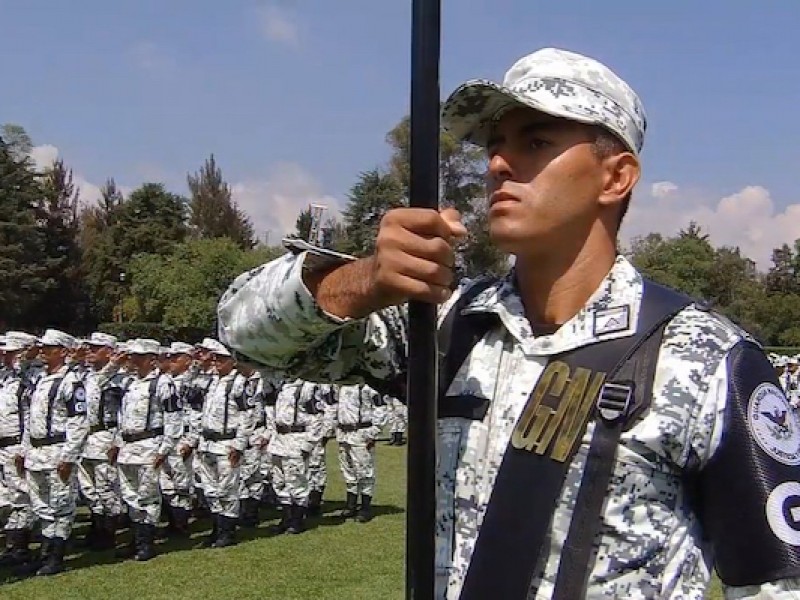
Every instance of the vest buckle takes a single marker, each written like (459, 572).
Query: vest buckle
(614, 401)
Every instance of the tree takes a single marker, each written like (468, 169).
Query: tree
(22, 277)
(369, 199)
(18, 142)
(782, 277)
(64, 303)
(183, 288)
(150, 221)
(213, 213)
(302, 226)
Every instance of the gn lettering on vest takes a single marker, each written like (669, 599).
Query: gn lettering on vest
(563, 417)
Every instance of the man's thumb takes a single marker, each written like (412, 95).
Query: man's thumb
(453, 219)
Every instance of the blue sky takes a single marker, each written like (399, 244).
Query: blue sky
(295, 97)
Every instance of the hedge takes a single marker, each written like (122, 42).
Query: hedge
(165, 334)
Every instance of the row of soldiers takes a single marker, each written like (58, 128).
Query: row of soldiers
(787, 369)
(134, 429)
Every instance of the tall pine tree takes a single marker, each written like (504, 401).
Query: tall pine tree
(213, 213)
(22, 270)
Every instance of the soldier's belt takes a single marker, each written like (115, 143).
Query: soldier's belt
(143, 435)
(290, 428)
(98, 428)
(12, 440)
(355, 426)
(217, 436)
(56, 438)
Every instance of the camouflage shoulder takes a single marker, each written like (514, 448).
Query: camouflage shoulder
(702, 335)
(316, 257)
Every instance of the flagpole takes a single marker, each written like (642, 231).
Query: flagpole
(422, 357)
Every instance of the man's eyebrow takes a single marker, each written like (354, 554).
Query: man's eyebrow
(528, 128)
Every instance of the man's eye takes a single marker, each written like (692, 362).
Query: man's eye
(538, 143)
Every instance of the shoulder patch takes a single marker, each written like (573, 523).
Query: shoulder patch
(774, 424)
(250, 387)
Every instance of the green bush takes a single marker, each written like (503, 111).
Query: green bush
(165, 334)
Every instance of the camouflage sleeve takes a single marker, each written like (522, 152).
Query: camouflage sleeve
(77, 427)
(173, 418)
(106, 374)
(269, 316)
(785, 589)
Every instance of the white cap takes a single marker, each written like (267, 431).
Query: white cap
(180, 348)
(144, 346)
(54, 337)
(101, 339)
(26, 339)
(214, 347)
(11, 344)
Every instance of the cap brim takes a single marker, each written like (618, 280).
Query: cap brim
(471, 110)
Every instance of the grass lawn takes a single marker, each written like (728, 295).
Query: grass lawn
(333, 560)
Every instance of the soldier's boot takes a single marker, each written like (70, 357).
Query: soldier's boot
(145, 547)
(286, 519)
(16, 552)
(107, 533)
(315, 502)
(365, 512)
(211, 539)
(129, 550)
(88, 540)
(350, 506)
(54, 558)
(181, 523)
(395, 439)
(298, 517)
(401, 441)
(250, 517)
(227, 535)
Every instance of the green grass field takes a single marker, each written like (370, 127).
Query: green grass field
(332, 560)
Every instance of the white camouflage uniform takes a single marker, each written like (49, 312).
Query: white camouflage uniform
(149, 425)
(358, 424)
(176, 474)
(649, 544)
(64, 418)
(297, 431)
(15, 506)
(227, 423)
(252, 476)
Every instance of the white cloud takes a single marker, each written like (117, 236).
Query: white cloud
(151, 57)
(278, 25)
(661, 189)
(748, 218)
(274, 202)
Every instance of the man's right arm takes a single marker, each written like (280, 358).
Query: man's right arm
(272, 317)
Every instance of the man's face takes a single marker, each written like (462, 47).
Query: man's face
(544, 180)
(142, 363)
(99, 356)
(223, 364)
(53, 356)
(180, 363)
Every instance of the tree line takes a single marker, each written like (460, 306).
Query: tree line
(155, 262)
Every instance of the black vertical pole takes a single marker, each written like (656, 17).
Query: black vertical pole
(422, 365)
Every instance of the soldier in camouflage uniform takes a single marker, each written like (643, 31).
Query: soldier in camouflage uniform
(358, 424)
(150, 424)
(317, 466)
(96, 475)
(53, 444)
(398, 420)
(563, 135)
(227, 425)
(297, 431)
(15, 506)
(176, 474)
(202, 377)
(252, 474)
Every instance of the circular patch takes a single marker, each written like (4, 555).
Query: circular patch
(80, 394)
(774, 424)
(783, 512)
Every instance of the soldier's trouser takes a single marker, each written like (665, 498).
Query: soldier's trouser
(317, 469)
(399, 417)
(140, 492)
(176, 481)
(252, 475)
(99, 483)
(221, 484)
(53, 502)
(358, 468)
(15, 504)
(290, 480)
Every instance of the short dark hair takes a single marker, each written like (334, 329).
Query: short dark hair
(607, 144)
